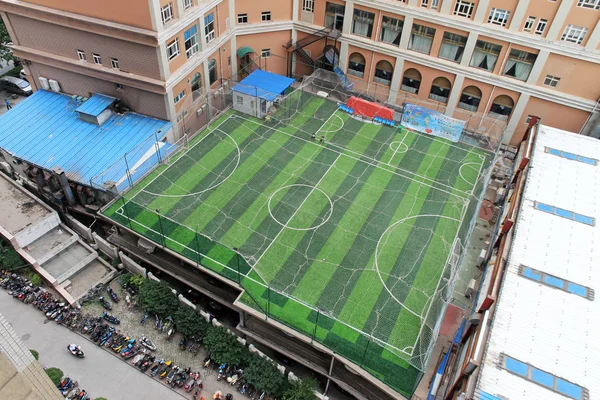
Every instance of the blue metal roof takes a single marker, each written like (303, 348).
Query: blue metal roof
(95, 105)
(264, 85)
(45, 130)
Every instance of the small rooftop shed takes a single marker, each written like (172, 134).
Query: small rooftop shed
(257, 93)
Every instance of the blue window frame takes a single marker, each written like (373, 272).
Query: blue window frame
(556, 282)
(543, 378)
(561, 212)
(571, 156)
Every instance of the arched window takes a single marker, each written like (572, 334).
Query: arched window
(470, 98)
(440, 89)
(411, 81)
(383, 72)
(196, 85)
(212, 71)
(356, 65)
(501, 107)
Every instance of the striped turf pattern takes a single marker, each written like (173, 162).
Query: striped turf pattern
(372, 187)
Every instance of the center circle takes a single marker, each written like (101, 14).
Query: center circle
(300, 207)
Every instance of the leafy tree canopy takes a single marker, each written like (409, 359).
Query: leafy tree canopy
(5, 52)
(158, 298)
(189, 322)
(264, 376)
(10, 260)
(303, 389)
(223, 347)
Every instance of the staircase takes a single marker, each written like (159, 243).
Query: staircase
(306, 59)
(343, 78)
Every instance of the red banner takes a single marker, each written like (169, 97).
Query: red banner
(370, 109)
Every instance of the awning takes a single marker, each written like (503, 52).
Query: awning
(242, 51)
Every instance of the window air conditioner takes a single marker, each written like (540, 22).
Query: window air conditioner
(54, 85)
(44, 83)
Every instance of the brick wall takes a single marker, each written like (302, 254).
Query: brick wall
(140, 101)
(64, 41)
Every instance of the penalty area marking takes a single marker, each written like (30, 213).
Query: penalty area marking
(460, 172)
(313, 188)
(332, 130)
(237, 163)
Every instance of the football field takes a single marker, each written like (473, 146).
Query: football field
(343, 229)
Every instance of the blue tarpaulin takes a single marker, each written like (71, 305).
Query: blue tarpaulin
(45, 130)
(264, 85)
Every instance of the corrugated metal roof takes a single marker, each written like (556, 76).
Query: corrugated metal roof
(95, 104)
(264, 85)
(45, 130)
(553, 331)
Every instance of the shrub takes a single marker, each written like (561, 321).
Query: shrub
(303, 389)
(264, 376)
(10, 260)
(158, 298)
(55, 375)
(189, 322)
(35, 354)
(36, 280)
(224, 347)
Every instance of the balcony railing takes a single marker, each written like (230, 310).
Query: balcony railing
(498, 117)
(409, 89)
(436, 97)
(356, 73)
(382, 81)
(467, 107)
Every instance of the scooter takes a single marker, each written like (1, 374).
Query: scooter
(192, 382)
(165, 369)
(105, 303)
(154, 370)
(171, 376)
(76, 353)
(112, 294)
(144, 367)
(111, 318)
(144, 318)
(148, 343)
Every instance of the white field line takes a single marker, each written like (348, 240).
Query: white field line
(181, 155)
(378, 164)
(398, 148)
(290, 219)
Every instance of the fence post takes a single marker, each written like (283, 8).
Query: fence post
(157, 146)
(197, 247)
(126, 212)
(237, 264)
(162, 234)
(362, 359)
(316, 325)
(268, 301)
(127, 172)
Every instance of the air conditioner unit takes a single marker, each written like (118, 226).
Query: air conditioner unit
(44, 83)
(54, 85)
(200, 110)
(471, 288)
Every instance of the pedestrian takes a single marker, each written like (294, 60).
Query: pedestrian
(8, 106)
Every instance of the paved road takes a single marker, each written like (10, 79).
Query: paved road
(100, 373)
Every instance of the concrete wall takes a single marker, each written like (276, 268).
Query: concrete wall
(105, 247)
(78, 227)
(133, 267)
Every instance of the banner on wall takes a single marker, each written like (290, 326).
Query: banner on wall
(431, 122)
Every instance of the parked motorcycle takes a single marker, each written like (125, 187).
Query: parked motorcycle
(105, 303)
(111, 318)
(155, 368)
(148, 343)
(165, 369)
(171, 374)
(147, 364)
(112, 294)
(183, 343)
(144, 318)
(137, 358)
(192, 382)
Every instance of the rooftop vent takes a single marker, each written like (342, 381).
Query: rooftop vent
(96, 109)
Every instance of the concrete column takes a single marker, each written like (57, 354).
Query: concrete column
(594, 40)
(178, 8)
(446, 8)
(469, 49)
(172, 115)
(559, 20)
(481, 15)
(205, 75)
(406, 30)
(163, 62)
(455, 94)
(343, 56)
(539, 64)
(413, 3)
(519, 15)
(295, 8)
(155, 16)
(234, 68)
(232, 14)
(201, 34)
(396, 80)
(516, 116)
(348, 14)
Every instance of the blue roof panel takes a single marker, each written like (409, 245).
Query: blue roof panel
(264, 85)
(45, 130)
(95, 105)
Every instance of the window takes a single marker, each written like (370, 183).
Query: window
(424, 3)
(519, 64)
(463, 8)
(362, 23)
(114, 63)
(242, 18)
(498, 17)
(543, 378)
(308, 5)
(411, 81)
(265, 16)
(440, 89)
(356, 65)
(574, 34)
(557, 283)
(265, 53)
(182, 116)
(435, 4)
(212, 71)
(391, 30)
(167, 13)
(196, 85)
(179, 96)
(421, 38)
(470, 98)
(453, 46)
(529, 24)
(97, 59)
(209, 27)
(173, 49)
(239, 100)
(594, 4)
(485, 55)
(191, 41)
(561, 212)
(81, 55)
(571, 156)
(551, 81)
(383, 73)
(187, 4)
(334, 16)
(541, 26)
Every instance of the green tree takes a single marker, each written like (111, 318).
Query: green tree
(5, 52)
(158, 298)
(10, 260)
(189, 322)
(35, 354)
(55, 375)
(224, 347)
(264, 376)
(303, 389)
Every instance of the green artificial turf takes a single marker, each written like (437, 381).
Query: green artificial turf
(334, 239)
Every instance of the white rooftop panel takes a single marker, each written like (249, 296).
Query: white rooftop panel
(551, 329)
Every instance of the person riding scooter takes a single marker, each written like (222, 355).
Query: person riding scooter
(75, 350)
